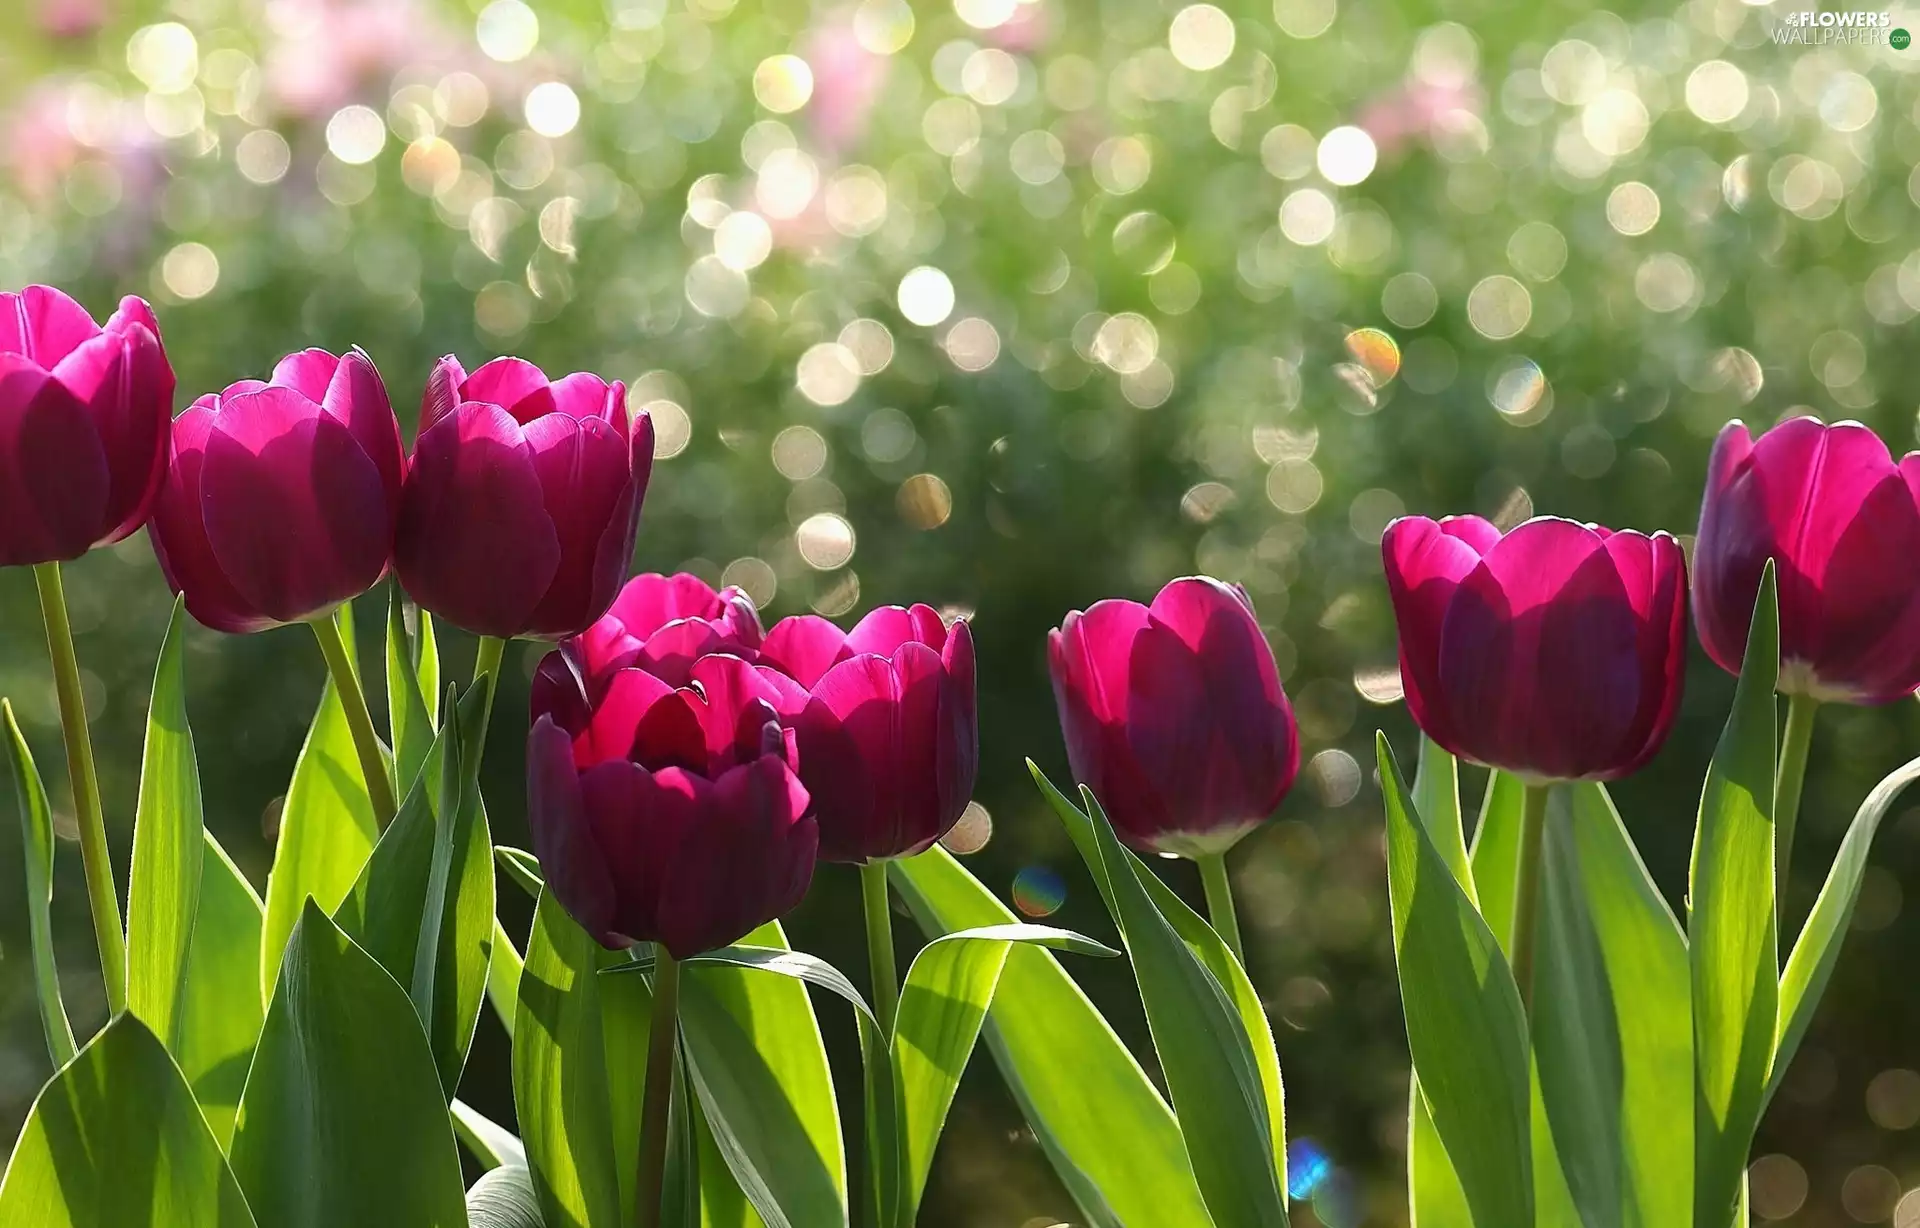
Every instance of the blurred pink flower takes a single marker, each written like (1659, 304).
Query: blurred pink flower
(39, 145)
(1023, 33)
(71, 18)
(324, 51)
(847, 79)
(1417, 110)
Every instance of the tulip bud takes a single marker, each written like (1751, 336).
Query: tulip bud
(83, 424)
(283, 495)
(671, 815)
(1556, 651)
(522, 499)
(889, 745)
(1174, 716)
(1841, 521)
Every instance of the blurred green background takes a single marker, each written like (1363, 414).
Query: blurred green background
(1008, 306)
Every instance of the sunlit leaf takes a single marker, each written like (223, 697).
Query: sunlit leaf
(222, 1010)
(36, 833)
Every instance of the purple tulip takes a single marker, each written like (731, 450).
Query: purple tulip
(83, 424)
(1555, 652)
(1841, 521)
(522, 498)
(1174, 716)
(889, 744)
(283, 495)
(671, 815)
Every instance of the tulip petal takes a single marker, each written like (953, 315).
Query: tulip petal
(587, 482)
(179, 534)
(43, 325)
(957, 745)
(889, 626)
(640, 820)
(54, 477)
(515, 385)
(475, 544)
(1092, 708)
(357, 397)
(738, 703)
(127, 387)
(1425, 563)
(853, 749)
(577, 870)
(1099, 646)
(131, 311)
(442, 394)
(1476, 532)
(649, 602)
(613, 731)
(308, 372)
(1653, 573)
(294, 510)
(751, 839)
(804, 647)
(559, 690)
(585, 395)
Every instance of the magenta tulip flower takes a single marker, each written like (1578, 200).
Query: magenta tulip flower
(1174, 716)
(283, 495)
(1555, 652)
(522, 499)
(671, 815)
(888, 740)
(83, 424)
(1840, 518)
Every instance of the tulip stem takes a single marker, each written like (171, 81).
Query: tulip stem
(1526, 893)
(655, 1109)
(1213, 877)
(486, 664)
(102, 897)
(366, 743)
(886, 981)
(1794, 744)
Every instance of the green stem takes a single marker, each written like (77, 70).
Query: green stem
(886, 981)
(1213, 876)
(486, 664)
(655, 1109)
(366, 743)
(102, 898)
(1526, 895)
(1794, 744)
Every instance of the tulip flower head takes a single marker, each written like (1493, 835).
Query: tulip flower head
(671, 815)
(522, 499)
(83, 424)
(283, 495)
(1555, 651)
(1840, 518)
(1174, 716)
(885, 721)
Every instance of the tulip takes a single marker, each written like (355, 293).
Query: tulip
(83, 424)
(887, 735)
(283, 496)
(1555, 652)
(522, 499)
(672, 814)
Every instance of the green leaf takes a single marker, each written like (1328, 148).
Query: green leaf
(759, 1035)
(491, 1144)
(1436, 799)
(1612, 1020)
(342, 1120)
(943, 1003)
(431, 865)
(1732, 939)
(1496, 853)
(1818, 946)
(504, 964)
(1103, 1125)
(222, 1011)
(504, 1198)
(1206, 1054)
(327, 831)
(114, 1141)
(164, 887)
(1465, 1026)
(407, 715)
(559, 1076)
(36, 833)
(522, 867)
(1433, 1188)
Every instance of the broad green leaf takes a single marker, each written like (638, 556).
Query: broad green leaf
(1818, 946)
(559, 1076)
(114, 1141)
(407, 714)
(1465, 1026)
(36, 833)
(522, 867)
(1434, 1196)
(504, 1198)
(342, 1120)
(722, 1203)
(1103, 1125)
(1207, 946)
(1731, 928)
(503, 975)
(943, 1003)
(1612, 1021)
(405, 886)
(1204, 1049)
(163, 890)
(1436, 799)
(327, 831)
(222, 1010)
(491, 1144)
